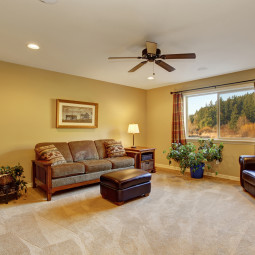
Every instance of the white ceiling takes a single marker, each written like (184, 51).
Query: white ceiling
(77, 36)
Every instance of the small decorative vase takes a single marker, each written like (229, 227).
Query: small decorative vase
(197, 173)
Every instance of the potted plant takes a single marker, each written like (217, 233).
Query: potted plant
(16, 174)
(211, 151)
(189, 157)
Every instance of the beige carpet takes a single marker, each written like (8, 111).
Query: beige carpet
(181, 216)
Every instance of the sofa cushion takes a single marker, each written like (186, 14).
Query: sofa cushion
(67, 169)
(62, 147)
(92, 166)
(101, 147)
(79, 178)
(50, 154)
(83, 150)
(114, 149)
(249, 176)
(121, 162)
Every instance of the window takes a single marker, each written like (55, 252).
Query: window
(223, 114)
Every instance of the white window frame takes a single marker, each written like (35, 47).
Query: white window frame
(218, 92)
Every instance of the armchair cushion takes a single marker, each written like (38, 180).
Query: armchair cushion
(249, 176)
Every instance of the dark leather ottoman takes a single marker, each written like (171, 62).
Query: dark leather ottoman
(126, 184)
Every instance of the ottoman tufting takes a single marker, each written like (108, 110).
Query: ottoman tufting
(126, 184)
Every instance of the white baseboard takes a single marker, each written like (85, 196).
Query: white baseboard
(223, 176)
(30, 185)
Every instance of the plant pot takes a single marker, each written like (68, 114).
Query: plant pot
(197, 172)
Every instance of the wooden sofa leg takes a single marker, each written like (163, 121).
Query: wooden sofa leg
(49, 196)
(48, 183)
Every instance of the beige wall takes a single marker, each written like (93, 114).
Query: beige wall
(159, 116)
(28, 111)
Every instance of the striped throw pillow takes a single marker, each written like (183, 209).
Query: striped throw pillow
(114, 149)
(50, 154)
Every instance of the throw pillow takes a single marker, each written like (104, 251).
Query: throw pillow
(50, 154)
(114, 149)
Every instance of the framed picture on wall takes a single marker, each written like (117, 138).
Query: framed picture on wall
(75, 114)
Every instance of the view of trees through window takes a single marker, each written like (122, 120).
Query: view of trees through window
(237, 115)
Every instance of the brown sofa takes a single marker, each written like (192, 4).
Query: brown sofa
(86, 162)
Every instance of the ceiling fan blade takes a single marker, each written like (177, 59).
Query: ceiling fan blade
(164, 65)
(151, 48)
(179, 56)
(137, 66)
(124, 57)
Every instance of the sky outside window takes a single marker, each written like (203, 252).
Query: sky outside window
(197, 102)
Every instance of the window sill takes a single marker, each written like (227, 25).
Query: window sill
(226, 141)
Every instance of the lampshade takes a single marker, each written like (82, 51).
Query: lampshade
(133, 129)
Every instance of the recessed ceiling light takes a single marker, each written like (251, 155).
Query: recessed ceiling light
(33, 46)
(49, 1)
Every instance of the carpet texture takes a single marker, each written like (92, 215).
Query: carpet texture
(181, 216)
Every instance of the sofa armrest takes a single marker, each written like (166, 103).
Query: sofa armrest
(247, 162)
(42, 173)
(42, 163)
(134, 155)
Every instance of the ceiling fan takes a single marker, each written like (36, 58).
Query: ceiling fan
(153, 54)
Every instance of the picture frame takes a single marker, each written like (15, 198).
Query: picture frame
(76, 114)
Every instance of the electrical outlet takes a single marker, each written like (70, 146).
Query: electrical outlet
(217, 162)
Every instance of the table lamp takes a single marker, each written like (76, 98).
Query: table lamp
(133, 129)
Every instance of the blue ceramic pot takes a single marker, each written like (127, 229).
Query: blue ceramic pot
(197, 173)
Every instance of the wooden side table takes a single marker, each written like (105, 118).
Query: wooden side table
(145, 158)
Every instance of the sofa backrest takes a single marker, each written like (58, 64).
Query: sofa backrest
(62, 147)
(101, 147)
(83, 150)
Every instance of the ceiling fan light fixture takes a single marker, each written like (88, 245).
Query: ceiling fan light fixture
(33, 46)
(151, 77)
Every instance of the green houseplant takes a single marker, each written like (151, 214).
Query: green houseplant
(211, 151)
(17, 173)
(188, 156)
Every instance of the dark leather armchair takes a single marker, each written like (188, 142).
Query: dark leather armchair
(247, 173)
